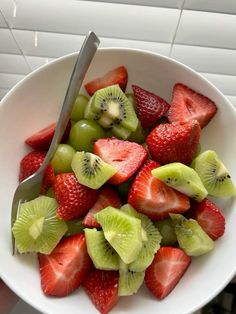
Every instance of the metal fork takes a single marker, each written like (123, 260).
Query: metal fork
(30, 187)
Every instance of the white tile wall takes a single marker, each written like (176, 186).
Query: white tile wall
(199, 33)
(207, 29)
(225, 6)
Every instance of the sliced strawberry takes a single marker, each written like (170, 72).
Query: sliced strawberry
(74, 199)
(30, 163)
(167, 268)
(125, 156)
(116, 76)
(154, 198)
(209, 217)
(41, 140)
(150, 107)
(102, 288)
(170, 142)
(66, 267)
(48, 179)
(189, 105)
(107, 197)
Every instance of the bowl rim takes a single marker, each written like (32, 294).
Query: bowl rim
(136, 51)
(133, 50)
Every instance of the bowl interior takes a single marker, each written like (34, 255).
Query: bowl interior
(36, 101)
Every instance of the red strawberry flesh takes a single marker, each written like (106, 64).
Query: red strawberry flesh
(166, 270)
(74, 199)
(118, 75)
(150, 107)
(209, 217)
(66, 267)
(102, 288)
(125, 156)
(107, 197)
(30, 163)
(189, 105)
(154, 198)
(170, 142)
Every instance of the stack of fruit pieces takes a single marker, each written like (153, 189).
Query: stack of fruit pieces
(124, 200)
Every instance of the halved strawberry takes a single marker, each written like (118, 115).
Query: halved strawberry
(102, 288)
(118, 75)
(150, 107)
(74, 199)
(125, 156)
(209, 217)
(41, 140)
(189, 105)
(150, 196)
(65, 268)
(167, 268)
(107, 197)
(170, 142)
(30, 163)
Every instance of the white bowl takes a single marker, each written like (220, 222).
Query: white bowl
(36, 101)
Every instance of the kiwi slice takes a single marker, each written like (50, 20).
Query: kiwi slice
(181, 178)
(37, 228)
(151, 240)
(74, 227)
(214, 174)
(167, 231)
(102, 254)
(90, 170)
(129, 281)
(111, 103)
(123, 232)
(191, 237)
(120, 132)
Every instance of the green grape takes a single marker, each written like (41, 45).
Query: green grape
(166, 229)
(131, 98)
(138, 135)
(61, 161)
(84, 133)
(74, 227)
(77, 112)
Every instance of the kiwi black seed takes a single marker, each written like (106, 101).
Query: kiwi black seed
(214, 174)
(90, 170)
(110, 107)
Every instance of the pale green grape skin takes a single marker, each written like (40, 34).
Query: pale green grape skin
(84, 133)
(77, 112)
(61, 161)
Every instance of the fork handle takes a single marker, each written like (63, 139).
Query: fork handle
(83, 61)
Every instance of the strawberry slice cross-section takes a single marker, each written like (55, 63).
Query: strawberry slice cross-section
(154, 198)
(189, 105)
(65, 268)
(166, 270)
(125, 156)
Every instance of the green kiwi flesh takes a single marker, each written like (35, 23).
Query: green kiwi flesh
(129, 281)
(151, 240)
(123, 232)
(37, 228)
(214, 174)
(167, 231)
(100, 251)
(190, 236)
(90, 170)
(109, 106)
(183, 179)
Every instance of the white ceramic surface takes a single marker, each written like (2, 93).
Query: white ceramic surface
(35, 102)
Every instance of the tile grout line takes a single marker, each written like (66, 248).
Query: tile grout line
(16, 42)
(176, 30)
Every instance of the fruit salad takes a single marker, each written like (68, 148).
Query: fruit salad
(128, 198)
